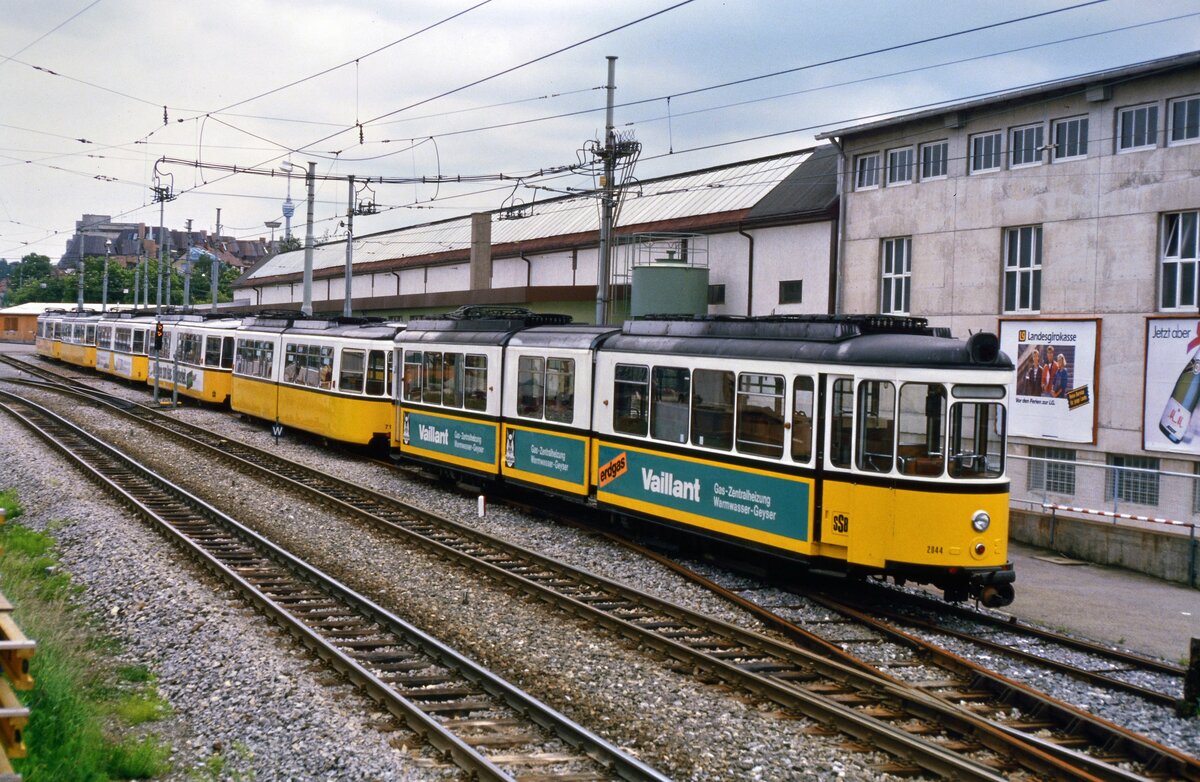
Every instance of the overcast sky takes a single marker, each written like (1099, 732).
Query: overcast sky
(478, 89)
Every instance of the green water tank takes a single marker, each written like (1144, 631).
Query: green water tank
(669, 289)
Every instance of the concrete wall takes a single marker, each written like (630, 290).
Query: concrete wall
(1170, 557)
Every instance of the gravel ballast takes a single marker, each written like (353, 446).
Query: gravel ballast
(266, 705)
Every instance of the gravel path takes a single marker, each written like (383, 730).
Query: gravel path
(266, 706)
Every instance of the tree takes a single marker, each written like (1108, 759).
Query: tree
(33, 279)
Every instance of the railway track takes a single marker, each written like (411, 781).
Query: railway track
(877, 633)
(1104, 667)
(489, 728)
(923, 731)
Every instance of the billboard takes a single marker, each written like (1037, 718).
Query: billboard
(1054, 396)
(1171, 421)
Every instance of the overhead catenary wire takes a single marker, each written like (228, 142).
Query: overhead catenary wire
(467, 180)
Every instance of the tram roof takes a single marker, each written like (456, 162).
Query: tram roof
(835, 339)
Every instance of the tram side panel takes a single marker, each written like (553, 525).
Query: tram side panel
(661, 454)
(256, 366)
(547, 411)
(448, 412)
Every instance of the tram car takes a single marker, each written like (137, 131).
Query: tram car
(48, 342)
(331, 378)
(449, 408)
(78, 339)
(123, 340)
(865, 445)
(196, 359)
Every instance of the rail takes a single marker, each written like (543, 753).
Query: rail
(15, 653)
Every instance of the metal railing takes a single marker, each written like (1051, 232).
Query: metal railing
(1159, 500)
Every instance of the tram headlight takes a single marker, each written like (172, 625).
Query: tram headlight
(981, 521)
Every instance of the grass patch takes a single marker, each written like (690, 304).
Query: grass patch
(82, 700)
(143, 707)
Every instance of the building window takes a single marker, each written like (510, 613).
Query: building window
(985, 152)
(1023, 269)
(933, 159)
(896, 276)
(1070, 138)
(1185, 120)
(791, 291)
(716, 294)
(1180, 259)
(1026, 146)
(1055, 475)
(1126, 481)
(900, 166)
(866, 171)
(1137, 128)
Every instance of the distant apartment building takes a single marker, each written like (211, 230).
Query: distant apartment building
(1064, 216)
(125, 243)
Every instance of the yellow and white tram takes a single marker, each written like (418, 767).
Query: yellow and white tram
(196, 359)
(122, 339)
(331, 377)
(862, 444)
(78, 338)
(48, 342)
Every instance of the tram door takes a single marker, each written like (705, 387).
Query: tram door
(837, 512)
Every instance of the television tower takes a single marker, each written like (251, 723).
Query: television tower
(289, 208)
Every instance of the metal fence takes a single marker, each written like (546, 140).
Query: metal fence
(1125, 492)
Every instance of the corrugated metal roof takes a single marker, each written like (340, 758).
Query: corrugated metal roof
(710, 191)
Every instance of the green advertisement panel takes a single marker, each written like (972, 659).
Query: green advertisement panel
(557, 458)
(773, 504)
(463, 441)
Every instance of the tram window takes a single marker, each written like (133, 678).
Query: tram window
(378, 362)
(669, 395)
(976, 440)
(841, 423)
(760, 414)
(309, 365)
(89, 337)
(255, 358)
(531, 385)
(802, 419)
(350, 375)
(452, 380)
(104, 337)
(123, 340)
(412, 375)
(227, 352)
(630, 398)
(560, 390)
(431, 378)
(139, 343)
(712, 408)
(921, 426)
(876, 425)
(475, 382)
(212, 351)
(188, 348)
